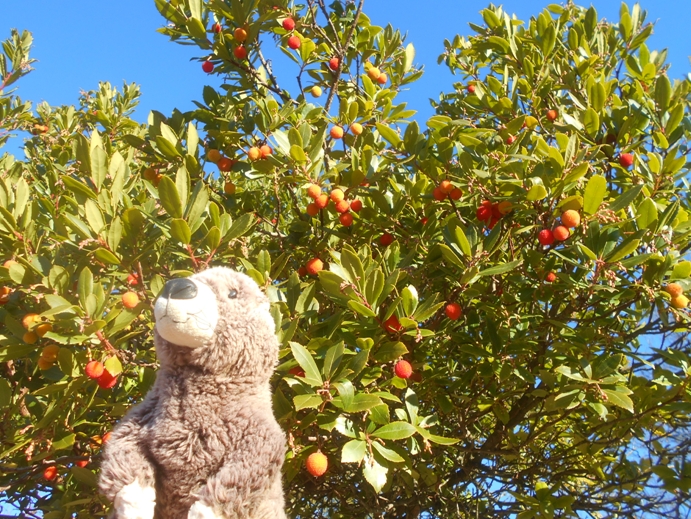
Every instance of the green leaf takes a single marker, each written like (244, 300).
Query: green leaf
(501, 269)
(409, 57)
(663, 92)
(594, 194)
(626, 198)
(537, 192)
(387, 454)
(394, 431)
(361, 309)
(410, 300)
(85, 285)
(94, 217)
(375, 473)
(98, 165)
(390, 351)
(65, 442)
(170, 199)
(105, 256)
(389, 134)
(241, 226)
(353, 451)
(180, 231)
(298, 154)
(307, 401)
(306, 361)
(591, 122)
(619, 399)
(646, 213)
(113, 365)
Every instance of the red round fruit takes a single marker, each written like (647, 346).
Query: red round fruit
(343, 206)
(356, 205)
(483, 213)
(266, 151)
(313, 191)
(561, 233)
(392, 325)
(456, 194)
(386, 239)
(552, 115)
(346, 219)
(106, 380)
(424, 220)
(240, 52)
(216, 28)
(510, 139)
(82, 463)
(208, 67)
(322, 201)
(314, 266)
(545, 237)
(551, 277)
(403, 369)
(626, 160)
(471, 89)
(438, 194)
(225, 164)
(297, 371)
(302, 272)
(294, 42)
(453, 311)
(94, 369)
(289, 24)
(446, 186)
(50, 473)
(312, 209)
(133, 279)
(334, 63)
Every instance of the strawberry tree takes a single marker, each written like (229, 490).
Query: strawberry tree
(481, 314)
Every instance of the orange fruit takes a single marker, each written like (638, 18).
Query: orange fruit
(29, 320)
(266, 151)
(240, 34)
(312, 209)
(346, 219)
(229, 188)
(254, 153)
(94, 369)
(43, 329)
(561, 233)
(674, 289)
(313, 191)
(336, 132)
(314, 265)
(130, 300)
(403, 369)
(552, 115)
(44, 364)
(50, 352)
(382, 79)
(30, 338)
(446, 186)
(343, 206)
(322, 201)
(680, 301)
(504, 207)
(356, 128)
(316, 464)
(571, 218)
(337, 195)
(213, 155)
(374, 73)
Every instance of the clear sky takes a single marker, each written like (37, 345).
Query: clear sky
(81, 42)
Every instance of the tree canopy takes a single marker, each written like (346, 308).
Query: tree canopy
(481, 314)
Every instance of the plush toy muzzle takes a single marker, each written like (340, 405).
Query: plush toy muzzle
(186, 313)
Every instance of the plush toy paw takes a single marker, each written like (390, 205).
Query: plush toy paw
(200, 511)
(135, 502)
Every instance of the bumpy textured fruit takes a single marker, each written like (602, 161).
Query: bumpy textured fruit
(313, 191)
(571, 218)
(674, 289)
(81, 463)
(322, 201)
(94, 369)
(382, 79)
(314, 266)
(240, 34)
(446, 186)
(5, 293)
(356, 128)
(680, 301)
(334, 63)
(288, 24)
(453, 311)
(392, 324)
(30, 338)
(29, 320)
(106, 380)
(551, 277)
(552, 115)
(208, 67)
(50, 352)
(438, 194)
(403, 369)
(254, 153)
(386, 239)
(229, 188)
(240, 52)
(343, 206)
(216, 28)
(336, 195)
(225, 164)
(356, 206)
(266, 151)
(456, 194)
(561, 233)
(50, 473)
(471, 89)
(316, 464)
(316, 91)
(346, 219)
(213, 155)
(43, 329)
(545, 237)
(44, 364)
(130, 300)
(374, 73)
(626, 160)
(312, 209)
(336, 132)
(294, 42)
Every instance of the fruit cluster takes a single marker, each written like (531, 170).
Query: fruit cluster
(490, 213)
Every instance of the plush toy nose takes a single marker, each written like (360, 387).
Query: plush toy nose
(179, 289)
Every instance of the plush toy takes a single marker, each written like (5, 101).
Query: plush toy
(204, 443)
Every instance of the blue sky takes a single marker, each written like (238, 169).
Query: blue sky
(81, 42)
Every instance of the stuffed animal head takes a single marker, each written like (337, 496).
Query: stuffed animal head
(217, 320)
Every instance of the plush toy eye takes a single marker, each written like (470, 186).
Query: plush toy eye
(232, 294)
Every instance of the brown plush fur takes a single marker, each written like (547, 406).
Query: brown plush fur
(206, 430)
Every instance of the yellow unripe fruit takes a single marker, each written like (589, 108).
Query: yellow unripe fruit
(254, 153)
(30, 338)
(680, 301)
(374, 73)
(50, 352)
(130, 300)
(316, 91)
(213, 155)
(44, 364)
(229, 188)
(29, 320)
(240, 35)
(43, 329)
(356, 128)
